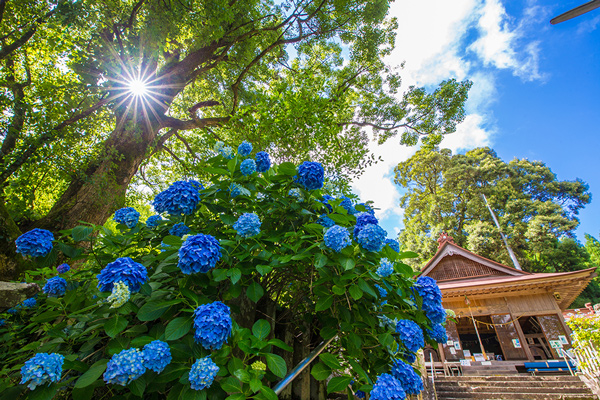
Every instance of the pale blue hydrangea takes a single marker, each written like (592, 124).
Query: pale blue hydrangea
(43, 368)
(248, 167)
(36, 243)
(203, 373)
(438, 333)
(124, 367)
(212, 325)
(381, 290)
(325, 221)
(124, 270)
(30, 302)
(153, 221)
(311, 175)
(337, 238)
(371, 237)
(385, 269)
(227, 152)
(156, 355)
(394, 245)
(263, 161)
(245, 148)
(296, 193)
(234, 190)
(55, 287)
(410, 334)
(127, 216)
(120, 295)
(181, 197)
(179, 229)
(408, 378)
(62, 268)
(199, 253)
(247, 225)
(362, 220)
(218, 146)
(387, 388)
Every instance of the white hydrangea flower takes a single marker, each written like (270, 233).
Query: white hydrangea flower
(120, 295)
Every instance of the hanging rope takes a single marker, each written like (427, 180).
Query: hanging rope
(491, 324)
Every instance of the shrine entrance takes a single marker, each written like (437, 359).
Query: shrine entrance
(470, 343)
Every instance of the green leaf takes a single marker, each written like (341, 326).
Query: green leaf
(46, 316)
(338, 290)
(173, 240)
(177, 328)
(359, 370)
(268, 393)
(219, 274)
(255, 292)
(236, 396)
(276, 364)
(355, 292)
(138, 386)
(227, 219)
(288, 168)
(365, 287)
(281, 344)
(231, 165)
(320, 260)
(242, 375)
(235, 274)
(264, 269)
(255, 384)
(347, 262)
(92, 374)
(81, 232)
(172, 372)
(43, 392)
(231, 385)
(154, 309)
(115, 325)
(324, 303)
(320, 371)
(330, 360)
(261, 329)
(69, 251)
(407, 254)
(338, 384)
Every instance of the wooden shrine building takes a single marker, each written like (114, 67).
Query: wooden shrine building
(502, 313)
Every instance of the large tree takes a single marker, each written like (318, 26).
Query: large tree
(536, 211)
(302, 78)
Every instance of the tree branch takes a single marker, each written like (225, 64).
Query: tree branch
(5, 51)
(381, 127)
(186, 144)
(170, 122)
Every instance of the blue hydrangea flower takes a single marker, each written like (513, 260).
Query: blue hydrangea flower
(123, 269)
(311, 175)
(360, 394)
(2, 322)
(326, 199)
(296, 193)
(156, 355)
(387, 388)
(348, 205)
(410, 335)
(226, 152)
(263, 161)
(62, 268)
(153, 221)
(218, 146)
(394, 245)
(12, 311)
(212, 324)
(371, 237)
(245, 148)
(247, 225)
(124, 367)
(199, 253)
(382, 291)
(248, 167)
(325, 221)
(362, 220)
(203, 373)
(30, 302)
(409, 357)
(41, 369)
(337, 238)
(36, 243)
(438, 333)
(179, 229)
(385, 269)
(127, 216)
(234, 190)
(180, 198)
(432, 299)
(437, 314)
(408, 378)
(55, 287)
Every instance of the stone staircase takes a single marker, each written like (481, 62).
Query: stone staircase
(563, 387)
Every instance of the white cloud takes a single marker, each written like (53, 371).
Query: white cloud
(468, 135)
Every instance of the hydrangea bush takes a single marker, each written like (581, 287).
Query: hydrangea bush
(216, 314)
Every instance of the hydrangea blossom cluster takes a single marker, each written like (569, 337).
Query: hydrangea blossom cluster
(245, 148)
(62, 268)
(179, 229)
(212, 324)
(326, 199)
(127, 216)
(259, 366)
(362, 220)
(263, 161)
(371, 237)
(55, 286)
(311, 175)
(120, 295)
(180, 198)
(12, 311)
(385, 269)
(247, 225)
(360, 394)
(199, 253)
(124, 367)
(41, 369)
(153, 221)
(382, 291)
(296, 193)
(248, 167)
(348, 205)
(337, 238)
(30, 302)
(408, 378)
(124, 270)
(203, 373)
(226, 152)
(432, 299)
(387, 388)
(438, 333)
(410, 335)
(394, 245)
(36, 243)
(234, 190)
(325, 221)
(156, 355)
(2, 322)
(218, 146)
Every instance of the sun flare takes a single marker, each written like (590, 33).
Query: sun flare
(137, 87)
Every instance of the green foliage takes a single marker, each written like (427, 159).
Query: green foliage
(286, 268)
(584, 329)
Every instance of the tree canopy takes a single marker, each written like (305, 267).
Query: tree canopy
(304, 79)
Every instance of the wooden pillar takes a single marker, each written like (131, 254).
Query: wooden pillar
(561, 318)
(522, 338)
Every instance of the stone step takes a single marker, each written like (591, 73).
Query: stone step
(511, 389)
(509, 378)
(514, 396)
(547, 384)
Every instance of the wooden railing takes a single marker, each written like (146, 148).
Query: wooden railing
(588, 364)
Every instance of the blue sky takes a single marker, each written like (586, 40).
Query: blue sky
(535, 95)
